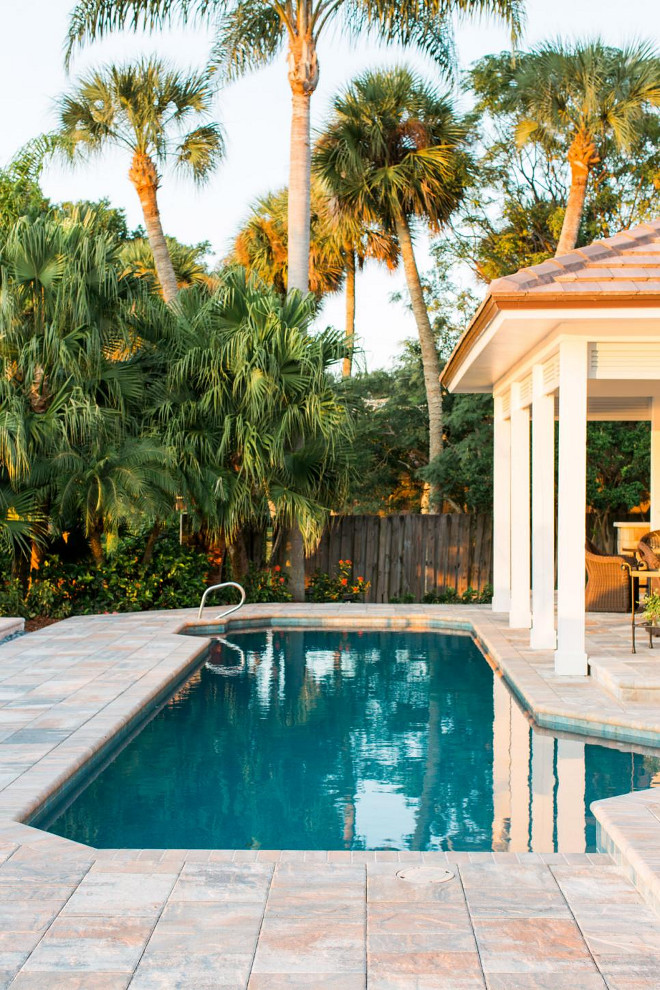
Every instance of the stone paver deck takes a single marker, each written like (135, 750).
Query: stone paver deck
(154, 919)
(74, 917)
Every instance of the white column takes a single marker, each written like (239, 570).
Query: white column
(501, 509)
(571, 811)
(520, 616)
(542, 636)
(655, 462)
(571, 657)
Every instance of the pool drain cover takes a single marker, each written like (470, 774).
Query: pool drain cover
(425, 874)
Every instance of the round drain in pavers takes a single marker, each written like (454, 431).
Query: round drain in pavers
(425, 874)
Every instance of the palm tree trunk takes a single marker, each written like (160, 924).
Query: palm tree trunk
(95, 545)
(144, 177)
(303, 79)
(430, 361)
(350, 314)
(582, 156)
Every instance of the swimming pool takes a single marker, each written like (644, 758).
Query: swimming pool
(323, 739)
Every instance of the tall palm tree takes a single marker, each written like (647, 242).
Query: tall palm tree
(250, 33)
(145, 108)
(392, 153)
(576, 101)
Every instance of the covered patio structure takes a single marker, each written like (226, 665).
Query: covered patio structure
(576, 338)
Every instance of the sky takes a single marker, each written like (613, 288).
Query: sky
(254, 113)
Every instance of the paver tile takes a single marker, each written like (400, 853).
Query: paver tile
(310, 981)
(81, 943)
(386, 917)
(131, 894)
(448, 969)
(532, 945)
(545, 981)
(70, 981)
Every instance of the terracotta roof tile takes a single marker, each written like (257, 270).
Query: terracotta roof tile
(626, 263)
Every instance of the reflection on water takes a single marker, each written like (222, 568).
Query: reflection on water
(331, 740)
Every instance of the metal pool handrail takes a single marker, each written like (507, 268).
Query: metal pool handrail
(216, 587)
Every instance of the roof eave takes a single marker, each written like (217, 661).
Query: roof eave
(496, 303)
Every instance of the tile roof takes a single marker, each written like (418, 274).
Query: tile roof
(626, 264)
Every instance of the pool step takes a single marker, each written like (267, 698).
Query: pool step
(628, 828)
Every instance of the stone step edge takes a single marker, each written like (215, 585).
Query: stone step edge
(628, 828)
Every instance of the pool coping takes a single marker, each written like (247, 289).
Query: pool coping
(629, 826)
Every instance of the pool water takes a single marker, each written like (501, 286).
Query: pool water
(348, 740)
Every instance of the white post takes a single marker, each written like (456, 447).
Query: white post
(501, 509)
(571, 657)
(655, 462)
(520, 616)
(542, 636)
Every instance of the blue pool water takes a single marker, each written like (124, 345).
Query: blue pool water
(342, 740)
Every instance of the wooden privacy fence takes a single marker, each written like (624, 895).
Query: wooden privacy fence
(409, 555)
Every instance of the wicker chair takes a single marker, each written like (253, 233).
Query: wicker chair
(648, 550)
(608, 581)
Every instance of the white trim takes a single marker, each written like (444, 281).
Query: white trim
(542, 636)
(501, 506)
(520, 616)
(570, 656)
(655, 463)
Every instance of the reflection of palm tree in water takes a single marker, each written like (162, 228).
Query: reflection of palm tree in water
(422, 833)
(347, 763)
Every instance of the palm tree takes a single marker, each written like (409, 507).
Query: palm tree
(391, 153)
(250, 33)
(577, 101)
(145, 109)
(261, 245)
(241, 393)
(187, 261)
(71, 390)
(339, 245)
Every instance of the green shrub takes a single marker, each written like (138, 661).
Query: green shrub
(175, 578)
(267, 585)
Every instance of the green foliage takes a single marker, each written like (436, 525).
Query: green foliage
(463, 472)
(175, 578)
(618, 472)
(652, 608)
(20, 195)
(391, 436)
(451, 597)
(345, 585)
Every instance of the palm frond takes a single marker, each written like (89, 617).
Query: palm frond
(248, 36)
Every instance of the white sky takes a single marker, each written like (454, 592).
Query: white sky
(255, 115)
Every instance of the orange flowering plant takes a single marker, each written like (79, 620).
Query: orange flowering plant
(346, 586)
